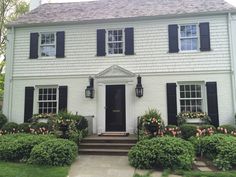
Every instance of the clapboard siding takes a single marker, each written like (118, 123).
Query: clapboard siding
(150, 47)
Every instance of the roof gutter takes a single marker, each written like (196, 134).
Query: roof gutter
(232, 57)
(125, 19)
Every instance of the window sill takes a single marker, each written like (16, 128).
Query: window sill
(189, 51)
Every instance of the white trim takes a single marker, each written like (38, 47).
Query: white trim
(141, 73)
(203, 93)
(36, 94)
(197, 37)
(40, 45)
(123, 42)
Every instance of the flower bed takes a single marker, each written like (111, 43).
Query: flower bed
(193, 117)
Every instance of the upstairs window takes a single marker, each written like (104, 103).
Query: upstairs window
(191, 98)
(47, 45)
(115, 42)
(188, 37)
(47, 100)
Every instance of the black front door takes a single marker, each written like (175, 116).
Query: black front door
(115, 108)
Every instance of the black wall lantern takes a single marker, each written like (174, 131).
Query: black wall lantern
(139, 87)
(89, 91)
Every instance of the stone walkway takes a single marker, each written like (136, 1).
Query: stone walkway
(202, 166)
(105, 166)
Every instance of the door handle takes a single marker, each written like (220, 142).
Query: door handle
(116, 110)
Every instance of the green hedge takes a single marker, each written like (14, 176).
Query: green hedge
(167, 152)
(57, 152)
(16, 147)
(10, 127)
(226, 157)
(3, 120)
(188, 130)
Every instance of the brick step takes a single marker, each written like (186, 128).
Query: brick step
(110, 140)
(126, 146)
(104, 151)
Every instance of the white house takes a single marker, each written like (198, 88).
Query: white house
(183, 50)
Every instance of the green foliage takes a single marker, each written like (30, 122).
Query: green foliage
(24, 127)
(26, 170)
(57, 152)
(209, 144)
(188, 130)
(167, 152)
(226, 156)
(3, 120)
(81, 123)
(15, 147)
(152, 123)
(2, 79)
(10, 10)
(10, 127)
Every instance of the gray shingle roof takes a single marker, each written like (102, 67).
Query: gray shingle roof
(113, 9)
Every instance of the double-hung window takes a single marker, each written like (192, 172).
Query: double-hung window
(47, 45)
(115, 41)
(188, 37)
(47, 100)
(191, 97)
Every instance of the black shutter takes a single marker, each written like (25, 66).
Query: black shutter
(29, 102)
(171, 103)
(173, 39)
(101, 42)
(129, 41)
(34, 43)
(205, 42)
(212, 102)
(63, 98)
(60, 47)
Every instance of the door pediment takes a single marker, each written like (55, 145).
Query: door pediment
(115, 71)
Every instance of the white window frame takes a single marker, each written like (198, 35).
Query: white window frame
(123, 41)
(36, 96)
(197, 37)
(40, 45)
(203, 94)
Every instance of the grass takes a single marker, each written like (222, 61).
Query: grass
(145, 175)
(25, 170)
(210, 174)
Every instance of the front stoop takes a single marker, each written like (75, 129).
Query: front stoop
(102, 145)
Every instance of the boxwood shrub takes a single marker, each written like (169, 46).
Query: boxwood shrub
(226, 157)
(16, 147)
(57, 152)
(188, 130)
(166, 152)
(209, 144)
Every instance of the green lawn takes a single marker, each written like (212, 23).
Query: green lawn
(25, 170)
(210, 174)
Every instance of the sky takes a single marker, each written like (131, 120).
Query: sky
(233, 2)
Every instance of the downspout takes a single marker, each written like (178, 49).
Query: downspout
(232, 57)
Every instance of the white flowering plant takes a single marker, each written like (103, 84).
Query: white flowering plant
(183, 116)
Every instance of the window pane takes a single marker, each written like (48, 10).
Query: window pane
(189, 44)
(115, 38)
(46, 105)
(182, 94)
(48, 51)
(189, 98)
